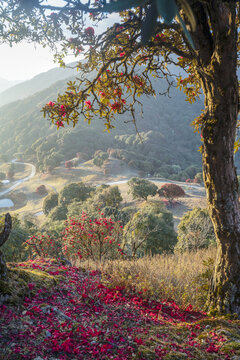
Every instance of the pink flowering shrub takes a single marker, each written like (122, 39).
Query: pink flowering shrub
(43, 246)
(96, 239)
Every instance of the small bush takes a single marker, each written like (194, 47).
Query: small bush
(195, 231)
(58, 213)
(74, 192)
(68, 164)
(41, 190)
(150, 231)
(141, 188)
(43, 246)
(50, 202)
(171, 191)
(99, 158)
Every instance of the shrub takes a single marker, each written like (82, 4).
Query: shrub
(108, 196)
(58, 213)
(41, 190)
(199, 177)
(97, 239)
(171, 191)
(50, 202)
(68, 164)
(191, 171)
(195, 231)
(74, 192)
(43, 246)
(150, 231)
(100, 157)
(141, 188)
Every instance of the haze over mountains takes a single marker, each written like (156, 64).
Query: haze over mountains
(168, 138)
(17, 90)
(6, 84)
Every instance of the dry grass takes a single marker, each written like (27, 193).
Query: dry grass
(165, 277)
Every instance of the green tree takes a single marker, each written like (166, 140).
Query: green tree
(107, 196)
(74, 192)
(99, 158)
(106, 199)
(124, 55)
(195, 231)
(141, 188)
(58, 213)
(150, 231)
(50, 202)
(199, 177)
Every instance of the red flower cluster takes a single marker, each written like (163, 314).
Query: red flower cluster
(88, 104)
(51, 104)
(138, 81)
(89, 31)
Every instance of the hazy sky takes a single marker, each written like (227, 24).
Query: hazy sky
(24, 61)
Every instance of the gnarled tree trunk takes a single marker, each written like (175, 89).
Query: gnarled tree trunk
(3, 238)
(218, 74)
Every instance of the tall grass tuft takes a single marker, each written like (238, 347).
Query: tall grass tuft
(181, 277)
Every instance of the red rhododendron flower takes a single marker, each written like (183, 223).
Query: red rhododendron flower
(51, 103)
(88, 104)
(59, 124)
(89, 31)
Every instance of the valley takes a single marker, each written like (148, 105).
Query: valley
(31, 205)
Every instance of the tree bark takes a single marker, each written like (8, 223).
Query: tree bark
(3, 238)
(218, 125)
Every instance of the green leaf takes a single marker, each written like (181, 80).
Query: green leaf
(122, 5)
(149, 24)
(167, 9)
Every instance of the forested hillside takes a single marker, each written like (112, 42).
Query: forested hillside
(167, 138)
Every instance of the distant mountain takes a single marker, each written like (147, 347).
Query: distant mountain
(36, 84)
(5, 84)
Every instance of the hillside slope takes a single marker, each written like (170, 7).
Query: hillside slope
(167, 137)
(80, 317)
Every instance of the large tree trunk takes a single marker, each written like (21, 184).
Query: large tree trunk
(3, 238)
(218, 125)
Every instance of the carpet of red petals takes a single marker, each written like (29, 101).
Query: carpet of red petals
(81, 318)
